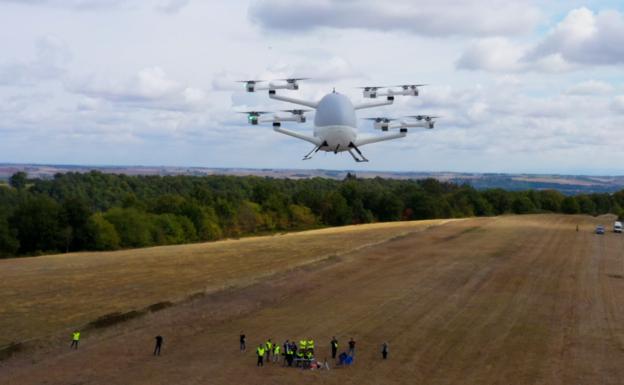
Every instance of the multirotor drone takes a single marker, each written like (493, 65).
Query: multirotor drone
(335, 123)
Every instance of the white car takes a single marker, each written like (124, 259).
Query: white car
(617, 227)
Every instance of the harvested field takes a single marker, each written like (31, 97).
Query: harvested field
(506, 300)
(41, 295)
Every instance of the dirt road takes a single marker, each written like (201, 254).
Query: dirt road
(508, 300)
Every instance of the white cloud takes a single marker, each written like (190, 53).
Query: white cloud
(591, 87)
(51, 57)
(172, 6)
(495, 54)
(583, 38)
(439, 18)
(149, 88)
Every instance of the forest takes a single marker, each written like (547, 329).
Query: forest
(97, 211)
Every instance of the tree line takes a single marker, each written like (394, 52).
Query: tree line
(97, 211)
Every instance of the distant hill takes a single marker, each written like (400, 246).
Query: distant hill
(567, 184)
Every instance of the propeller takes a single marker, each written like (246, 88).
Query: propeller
(254, 113)
(371, 88)
(250, 81)
(380, 119)
(410, 86)
(293, 80)
(297, 111)
(421, 117)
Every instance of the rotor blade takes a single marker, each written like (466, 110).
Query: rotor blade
(410, 85)
(293, 79)
(254, 112)
(250, 81)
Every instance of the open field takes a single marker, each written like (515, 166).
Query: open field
(41, 295)
(506, 300)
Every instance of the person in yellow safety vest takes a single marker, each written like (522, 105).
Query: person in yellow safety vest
(299, 357)
(310, 344)
(269, 348)
(303, 344)
(309, 355)
(260, 352)
(75, 339)
(276, 352)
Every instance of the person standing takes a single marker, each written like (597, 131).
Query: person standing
(159, 341)
(352, 347)
(260, 352)
(268, 348)
(276, 352)
(75, 339)
(334, 347)
(243, 346)
(384, 350)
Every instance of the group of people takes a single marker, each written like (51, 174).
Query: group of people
(291, 352)
(301, 353)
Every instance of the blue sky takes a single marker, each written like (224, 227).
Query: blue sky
(523, 86)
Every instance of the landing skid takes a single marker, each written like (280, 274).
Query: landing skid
(361, 158)
(310, 154)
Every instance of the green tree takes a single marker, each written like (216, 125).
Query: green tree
(37, 221)
(102, 234)
(336, 211)
(523, 205)
(132, 225)
(551, 200)
(75, 216)
(18, 180)
(9, 245)
(586, 205)
(569, 205)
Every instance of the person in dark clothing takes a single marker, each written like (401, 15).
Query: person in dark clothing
(159, 341)
(334, 347)
(384, 350)
(352, 347)
(243, 347)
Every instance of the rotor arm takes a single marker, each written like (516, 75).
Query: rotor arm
(311, 139)
(403, 124)
(362, 106)
(274, 119)
(375, 139)
(306, 103)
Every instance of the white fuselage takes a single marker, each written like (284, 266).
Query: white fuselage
(335, 123)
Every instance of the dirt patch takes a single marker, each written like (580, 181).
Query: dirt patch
(113, 319)
(9, 350)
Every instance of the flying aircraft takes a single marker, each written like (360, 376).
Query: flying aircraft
(335, 122)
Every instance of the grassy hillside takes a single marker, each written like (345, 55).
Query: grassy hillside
(46, 294)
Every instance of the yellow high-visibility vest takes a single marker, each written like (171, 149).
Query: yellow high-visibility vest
(76, 336)
(277, 349)
(269, 345)
(302, 344)
(310, 344)
(260, 351)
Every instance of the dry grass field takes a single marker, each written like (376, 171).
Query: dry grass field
(43, 295)
(506, 300)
